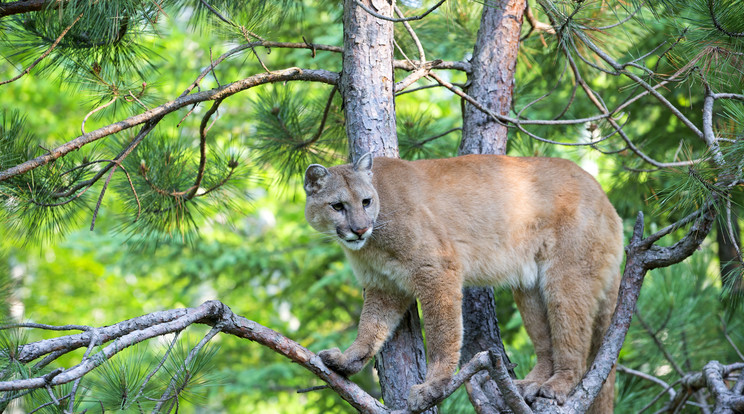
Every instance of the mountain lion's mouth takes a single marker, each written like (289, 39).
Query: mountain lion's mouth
(354, 244)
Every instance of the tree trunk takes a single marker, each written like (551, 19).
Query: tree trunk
(492, 78)
(367, 80)
(367, 83)
(491, 83)
(402, 361)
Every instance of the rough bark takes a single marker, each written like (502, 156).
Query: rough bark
(367, 86)
(401, 365)
(367, 80)
(481, 325)
(492, 81)
(492, 76)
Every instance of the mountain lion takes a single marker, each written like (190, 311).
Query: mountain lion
(423, 229)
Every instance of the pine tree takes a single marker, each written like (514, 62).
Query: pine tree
(653, 88)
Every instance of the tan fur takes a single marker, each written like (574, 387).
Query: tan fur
(423, 229)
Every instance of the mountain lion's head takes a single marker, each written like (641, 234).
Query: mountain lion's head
(342, 201)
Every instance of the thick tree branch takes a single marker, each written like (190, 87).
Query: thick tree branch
(23, 6)
(213, 313)
(291, 74)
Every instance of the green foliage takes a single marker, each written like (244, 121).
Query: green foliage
(31, 210)
(164, 201)
(292, 134)
(11, 342)
(419, 137)
(260, 257)
(119, 383)
(187, 376)
(103, 39)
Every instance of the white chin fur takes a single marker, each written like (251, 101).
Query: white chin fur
(353, 244)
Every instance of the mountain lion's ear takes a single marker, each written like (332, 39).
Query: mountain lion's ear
(315, 177)
(364, 164)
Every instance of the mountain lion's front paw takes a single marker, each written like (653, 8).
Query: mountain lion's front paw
(422, 395)
(337, 361)
(556, 390)
(528, 389)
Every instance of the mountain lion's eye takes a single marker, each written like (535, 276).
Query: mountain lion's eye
(337, 206)
(366, 202)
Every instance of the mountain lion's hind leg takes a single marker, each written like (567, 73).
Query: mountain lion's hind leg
(535, 319)
(571, 291)
(381, 313)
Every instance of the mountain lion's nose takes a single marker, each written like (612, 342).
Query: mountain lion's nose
(360, 232)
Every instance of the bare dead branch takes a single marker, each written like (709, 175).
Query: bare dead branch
(535, 24)
(416, 41)
(422, 71)
(47, 327)
(735, 96)
(619, 67)
(603, 109)
(107, 104)
(139, 329)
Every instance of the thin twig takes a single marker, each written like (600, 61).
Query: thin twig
(326, 111)
(216, 13)
(100, 198)
(728, 338)
(667, 388)
(202, 149)
(602, 107)
(534, 23)
(45, 54)
(310, 389)
(427, 140)
(617, 66)
(53, 402)
(418, 88)
(82, 126)
(422, 55)
(648, 241)
(391, 19)
(630, 16)
(659, 395)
